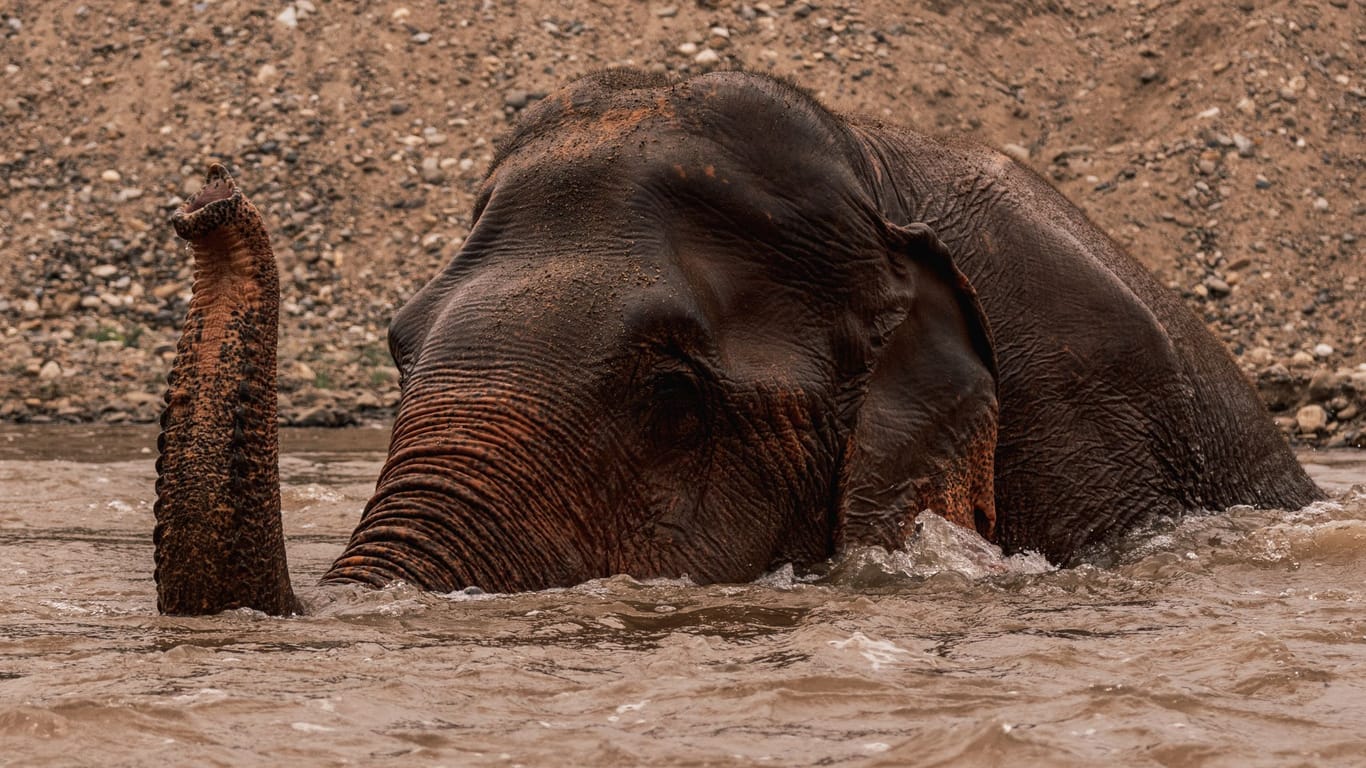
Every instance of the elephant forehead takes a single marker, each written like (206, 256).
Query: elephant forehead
(570, 284)
(730, 127)
(603, 136)
(568, 305)
(565, 130)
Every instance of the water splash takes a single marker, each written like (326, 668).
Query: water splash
(936, 547)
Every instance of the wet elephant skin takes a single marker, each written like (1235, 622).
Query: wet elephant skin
(707, 327)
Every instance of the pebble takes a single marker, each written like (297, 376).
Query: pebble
(1323, 350)
(324, 416)
(1311, 419)
(167, 290)
(1217, 287)
(1016, 151)
(1301, 359)
(304, 372)
(431, 170)
(1320, 203)
(516, 98)
(112, 176)
(50, 371)
(707, 56)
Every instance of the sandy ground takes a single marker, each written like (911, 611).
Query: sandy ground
(1221, 142)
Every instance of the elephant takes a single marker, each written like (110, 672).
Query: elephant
(706, 327)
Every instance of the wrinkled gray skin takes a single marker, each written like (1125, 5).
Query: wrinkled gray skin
(702, 328)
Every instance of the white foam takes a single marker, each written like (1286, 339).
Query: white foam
(937, 546)
(879, 653)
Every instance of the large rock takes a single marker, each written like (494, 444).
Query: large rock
(1324, 385)
(1278, 387)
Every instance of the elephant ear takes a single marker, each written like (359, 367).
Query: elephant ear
(924, 430)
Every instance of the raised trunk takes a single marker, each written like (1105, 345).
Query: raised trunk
(219, 540)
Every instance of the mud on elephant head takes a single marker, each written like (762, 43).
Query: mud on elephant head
(700, 328)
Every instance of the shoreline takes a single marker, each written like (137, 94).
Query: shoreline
(122, 381)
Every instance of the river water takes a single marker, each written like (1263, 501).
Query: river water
(1225, 640)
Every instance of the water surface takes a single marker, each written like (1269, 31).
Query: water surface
(1225, 640)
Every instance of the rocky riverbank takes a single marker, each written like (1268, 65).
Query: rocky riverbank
(1220, 142)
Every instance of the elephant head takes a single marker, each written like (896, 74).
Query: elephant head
(680, 339)
(695, 330)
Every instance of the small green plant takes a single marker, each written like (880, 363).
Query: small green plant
(374, 355)
(129, 338)
(323, 380)
(106, 333)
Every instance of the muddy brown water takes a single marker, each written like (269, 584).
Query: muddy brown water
(1224, 640)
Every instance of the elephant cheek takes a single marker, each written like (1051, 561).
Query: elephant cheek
(880, 511)
(965, 494)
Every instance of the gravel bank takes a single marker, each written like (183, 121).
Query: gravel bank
(1222, 143)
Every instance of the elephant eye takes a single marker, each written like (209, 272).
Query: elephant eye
(675, 408)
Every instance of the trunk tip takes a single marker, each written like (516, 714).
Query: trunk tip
(214, 205)
(217, 173)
